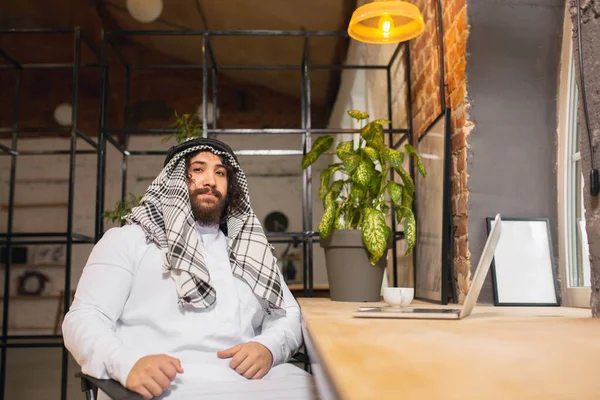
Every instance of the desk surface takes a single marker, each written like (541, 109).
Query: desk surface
(495, 353)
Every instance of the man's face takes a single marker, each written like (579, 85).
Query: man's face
(207, 185)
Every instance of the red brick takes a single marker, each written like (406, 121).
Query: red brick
(459, 70)
(453, 169)
(455, 180)
(436, 100)
(429, 110)
(458, 141)
(451, 57)
(447, 19)
(429, 68)
(451, 82)
(460, 117)
(453, 123)
(418, 85)
(418, 44)
(461, 160)
(461, 49)
(461, 248)
(461, 203)
(430, 88)
(456, 189)
(461, 20)
(420, 4)
(459, 4)
(462, 266)
(462, 225)
(458, 96)
(463, 180)
(449, 37)
(430, 6)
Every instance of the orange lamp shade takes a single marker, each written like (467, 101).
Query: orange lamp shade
(386, 22)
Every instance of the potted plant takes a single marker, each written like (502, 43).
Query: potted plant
(353, 230)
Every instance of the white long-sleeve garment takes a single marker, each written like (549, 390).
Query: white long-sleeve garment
(126, 307)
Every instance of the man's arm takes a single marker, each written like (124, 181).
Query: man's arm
(89, 326)
(280, 339)
(282, 335)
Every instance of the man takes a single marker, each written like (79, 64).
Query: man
(188, 292)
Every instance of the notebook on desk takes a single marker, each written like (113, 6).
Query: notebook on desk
(445, 313)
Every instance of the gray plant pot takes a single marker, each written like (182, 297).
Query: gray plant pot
(351, 275)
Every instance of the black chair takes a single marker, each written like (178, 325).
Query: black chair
(112, 388)
(116, 391)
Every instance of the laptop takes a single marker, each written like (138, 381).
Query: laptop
(445, 313)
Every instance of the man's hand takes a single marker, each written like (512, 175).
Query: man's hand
(152, 375)
(252, 360)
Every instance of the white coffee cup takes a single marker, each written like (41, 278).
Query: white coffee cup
(398, 296)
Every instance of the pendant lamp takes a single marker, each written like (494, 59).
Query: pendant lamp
(386, 21)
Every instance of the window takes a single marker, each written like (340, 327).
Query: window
(578, 264)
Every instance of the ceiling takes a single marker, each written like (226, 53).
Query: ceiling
(97, 15)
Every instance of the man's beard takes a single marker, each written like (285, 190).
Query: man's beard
(207, 211)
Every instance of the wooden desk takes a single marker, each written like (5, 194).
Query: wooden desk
(495, 353)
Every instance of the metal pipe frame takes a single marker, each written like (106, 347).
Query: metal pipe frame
(68, 238)
(306, 238)
(157, 131)
(209, 65)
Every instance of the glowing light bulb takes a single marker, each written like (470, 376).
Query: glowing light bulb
(386, 24)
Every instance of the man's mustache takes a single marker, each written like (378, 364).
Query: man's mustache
(207, 189)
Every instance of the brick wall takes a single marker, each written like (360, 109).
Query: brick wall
(426, 106)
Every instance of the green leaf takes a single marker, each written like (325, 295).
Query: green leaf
(375, 233)
(408, 182)
(399, 213)
(334, 192)
(358, 115)
(351, 163)
(370, 152)
(385, 209)
(338, 221)
(394, 157)
(373, 134)
(395, 191)
(321, 145)
(122, 208)
(324, 186)
(357, 193)
(328, 220)
(409, 228)
(364, 172)
(381, 121)
(375, 183)
(345, 149)
(356, 219)
(411, 151)
(326, 177)
(407, 198)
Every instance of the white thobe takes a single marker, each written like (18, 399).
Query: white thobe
(126, 307)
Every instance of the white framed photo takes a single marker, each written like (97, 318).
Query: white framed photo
(523, 272)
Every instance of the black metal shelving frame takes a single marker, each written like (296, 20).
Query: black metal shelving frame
(69, 238)
(308, 236)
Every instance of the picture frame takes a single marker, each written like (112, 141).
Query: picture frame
(523, 272)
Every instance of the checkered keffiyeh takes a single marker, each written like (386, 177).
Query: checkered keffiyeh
(165, 214)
